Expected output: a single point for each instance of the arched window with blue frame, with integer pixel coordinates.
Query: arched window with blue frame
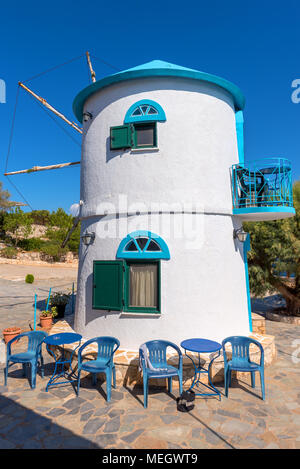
(145, 110)
(143, 245)
(140, 126)
(132, 282)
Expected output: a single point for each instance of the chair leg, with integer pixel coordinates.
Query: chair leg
(145, 386)
(114, 377)
(78, 381)
(94, 378)
(227, 376)
(262, 380)
(253, 379)
(42, 366)
(180, 383)
(108, 384)
(5, 374)
(33, 375)
(170, 385)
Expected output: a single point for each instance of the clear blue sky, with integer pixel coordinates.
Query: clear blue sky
(254, 44)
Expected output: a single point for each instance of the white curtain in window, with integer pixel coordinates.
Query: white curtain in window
(143, 285)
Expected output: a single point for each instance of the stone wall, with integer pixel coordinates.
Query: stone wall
(258, 324)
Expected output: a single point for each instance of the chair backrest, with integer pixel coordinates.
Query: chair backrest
(158, 351)
(240, 349)
(106, 346)
(35, 338)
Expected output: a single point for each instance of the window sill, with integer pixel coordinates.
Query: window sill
(137, 314)
(144, 149)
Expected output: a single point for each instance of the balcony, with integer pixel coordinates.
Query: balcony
(262, 189)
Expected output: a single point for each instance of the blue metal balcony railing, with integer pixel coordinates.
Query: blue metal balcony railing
(262, 183)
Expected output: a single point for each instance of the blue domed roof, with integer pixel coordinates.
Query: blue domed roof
(156, 68)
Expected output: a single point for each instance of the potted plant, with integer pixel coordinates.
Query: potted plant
(46, 317)
(11, 332)
(60, 300)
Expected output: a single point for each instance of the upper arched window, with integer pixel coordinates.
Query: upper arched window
(143, 245)
(143, 111)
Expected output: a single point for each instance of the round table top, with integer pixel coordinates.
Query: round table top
(200, 345)
(62, 338)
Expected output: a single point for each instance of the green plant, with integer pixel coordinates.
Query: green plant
(59, 298)
(9, 252)
(18, 223)
(52, 312)
(29, 278)
(275, 246)
(53, 251)
(31, 244)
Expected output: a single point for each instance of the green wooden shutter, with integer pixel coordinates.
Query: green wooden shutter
(108, 285)
(121, 137)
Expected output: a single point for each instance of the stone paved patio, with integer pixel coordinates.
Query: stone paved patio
(59, 419)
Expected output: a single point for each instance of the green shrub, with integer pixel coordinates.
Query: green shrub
(53, 252)
(9, 252)
(31, 244)
(29, 278)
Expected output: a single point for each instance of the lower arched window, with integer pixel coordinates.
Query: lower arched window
(132, 283)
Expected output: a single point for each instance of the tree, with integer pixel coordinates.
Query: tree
(275, 245)
(18, 224)
(4, 196)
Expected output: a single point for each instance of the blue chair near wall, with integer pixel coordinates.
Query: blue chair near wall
(155, 365)
(107, 346)
(240, 361)
(33, 356)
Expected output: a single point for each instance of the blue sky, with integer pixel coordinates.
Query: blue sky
(253, 44)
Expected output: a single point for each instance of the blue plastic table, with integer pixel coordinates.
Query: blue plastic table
(202, 346)
(61, 361)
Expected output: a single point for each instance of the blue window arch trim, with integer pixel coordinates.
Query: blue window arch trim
(122, 253)
(160, 116)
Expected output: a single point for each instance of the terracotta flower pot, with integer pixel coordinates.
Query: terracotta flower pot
(10, 332)
(46, 321)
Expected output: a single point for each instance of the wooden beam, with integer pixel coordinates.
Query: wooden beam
(42, 168)
(93, 74)
(51, 108)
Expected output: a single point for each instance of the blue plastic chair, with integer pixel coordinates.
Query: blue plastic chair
(158, 358)
(32, 356)
(107, 346)
(240, 361)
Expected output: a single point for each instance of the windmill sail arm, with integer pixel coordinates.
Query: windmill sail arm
(51, 108)
(42, 168)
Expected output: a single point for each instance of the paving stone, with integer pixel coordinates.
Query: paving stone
(132, 436)
(105, 440)
(85, 407)
(257, 412)
(93, 425)
(101, 411)
(56, 412)
(116, 412)
(86, 416)
(6, 444)
(112, 426)
(73, 403)
(116, 395)
(168, 419)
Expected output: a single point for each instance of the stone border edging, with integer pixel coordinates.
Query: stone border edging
(272, 316)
